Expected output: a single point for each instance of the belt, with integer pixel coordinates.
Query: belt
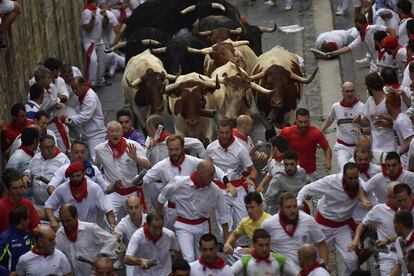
(192, 221)
(236, 183)
(335, 224)
(170, 205)
(339, 141)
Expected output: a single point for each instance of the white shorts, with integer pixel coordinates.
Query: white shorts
(6, 6)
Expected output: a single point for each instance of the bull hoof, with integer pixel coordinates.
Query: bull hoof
(269, 134)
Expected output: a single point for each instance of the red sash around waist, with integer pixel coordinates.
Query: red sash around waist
(339, 141)
(335, 224)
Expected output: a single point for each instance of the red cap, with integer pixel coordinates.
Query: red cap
(390, 42)
(74, 167)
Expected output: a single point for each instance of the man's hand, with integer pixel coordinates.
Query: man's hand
(54, 225)
(152, 144)
(228, 248)
(260, 189)
(354, 245)
(145, 264)
(367, 204)
(260, 155)
(381, 243)
(246, 250)
(232, 190)
(328, 165)
(116, 185)
(132, 152)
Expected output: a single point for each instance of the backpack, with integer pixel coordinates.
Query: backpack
(278, 257)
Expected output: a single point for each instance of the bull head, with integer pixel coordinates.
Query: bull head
(193, 7)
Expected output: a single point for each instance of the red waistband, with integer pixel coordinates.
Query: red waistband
(339, 141)
(335, 224)
(192, 221)
(127, 191)
(170, 205)
(236, 183)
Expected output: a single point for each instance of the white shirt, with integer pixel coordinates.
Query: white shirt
(344, 117)
(341, 37)
(39, 166)
(262, 268)
(320, 271)
(123, 168)
(247, 143)
(307, 231)
(403, 128)
(60, 84)
(382, 138)
(141, 247)
(274, 167)
(31, 264)
(335, 204)
(198, 270)
(126, 228)
(88, 207)
(160, 151)
(229, 161)
(19, 160)
(18, 141)
(96, 34)
(382, 216)
(379, 183)
(368, 43)
(59, 177)
(90, 118)
(410, 152)
(402, 31)
(91, 241)
(192, 203)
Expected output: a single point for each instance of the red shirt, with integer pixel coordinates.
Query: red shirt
(7, 203)
(305, 145)
(11, 131)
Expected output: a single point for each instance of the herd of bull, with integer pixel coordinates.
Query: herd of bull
(216, 70)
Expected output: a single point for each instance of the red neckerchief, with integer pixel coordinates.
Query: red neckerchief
(411, 240)
(218, 263)
(305, 272)
(409, 60)
(278, 158)
(164, 135)
(351, 191)
(365, 172)
(90, 7)
(289, 228)
(27, 150)
(73, 234)
(81, 190)
(57, 151)
(197, 183)
(82, 97)
(405, 16)
(261, 259)
(392, 178)
(393, 85)
(179, 162)
(391, 204)
(36, 251)
(344, 104)
(225, 147)
(362, 31)
(119, 149)
(410, 36)
(236, 133)
(148, 234)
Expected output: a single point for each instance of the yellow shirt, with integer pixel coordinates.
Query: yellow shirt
(248, 226)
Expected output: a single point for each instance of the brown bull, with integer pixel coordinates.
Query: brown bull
(279, 70)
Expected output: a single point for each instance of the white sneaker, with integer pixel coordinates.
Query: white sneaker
(288, 7)
(270, 3)
(341, 12)
(363, 60)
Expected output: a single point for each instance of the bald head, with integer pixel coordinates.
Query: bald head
(244, 125)
(205, 172)
(70, 210)
(134, 209)
(348, 85)
(364, 141)
(307, 253)
(133, 200)
(103, 266)
(348, 92)
(114, 131)
(44, 238)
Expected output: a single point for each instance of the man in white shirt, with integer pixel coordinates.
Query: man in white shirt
(374, 118)
(43, 257)
(341, 193)
(90, 118)
(83, 193)
(20, 159)
(382, 216)
(290, 228)
(333, 40)
(156, 146)
(263, 262)
(68, 73)
(120, 158)
(404, 11)
(42, 167)
(365, 39)
(210, 263)
(403, 224)
(79, 238)
(392, 171)
(235, 161)
(242, 132)
(195, 198)
(307, 255)
(149, 248)
(344, 112)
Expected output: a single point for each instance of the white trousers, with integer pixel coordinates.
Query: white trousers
(342, 237)
(188, 237)
(97, 62)
(343, 154)
(237, 211)
(92, 143)
(387, 261)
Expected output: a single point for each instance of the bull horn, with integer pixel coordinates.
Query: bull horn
(150, 42)
(123, 28)
(170, 77)
(240, 43)
(261, 89)
(133, 84)
(171, 87)
(204, 51)
(117, 46)
(205, 33)
(237, 31)
(295, 77)
(159, 50)
(267, 29)
(188, 9)
(257, 76)
(218, 6)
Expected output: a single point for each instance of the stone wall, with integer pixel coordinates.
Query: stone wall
(45, 28)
